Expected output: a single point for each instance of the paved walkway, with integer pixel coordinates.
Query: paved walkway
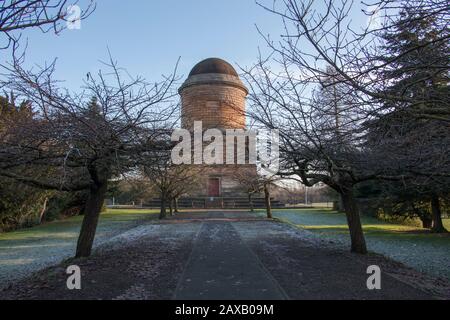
(237, 256)
(222, 255)
(221, 266)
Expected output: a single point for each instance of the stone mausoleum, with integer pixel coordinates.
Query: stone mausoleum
(214, 94)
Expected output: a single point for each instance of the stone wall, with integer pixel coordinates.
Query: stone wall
(216, 100)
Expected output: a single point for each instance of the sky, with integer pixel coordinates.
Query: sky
(146, 37)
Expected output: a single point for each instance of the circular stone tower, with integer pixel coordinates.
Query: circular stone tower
(213, 94)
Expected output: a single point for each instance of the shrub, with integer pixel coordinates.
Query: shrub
(20, 205)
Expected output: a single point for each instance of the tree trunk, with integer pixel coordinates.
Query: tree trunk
(267, 200)
(354, 222)
(162, 212)
(175, 205)
(44, 208)
(90, 220)
(436, 214)
(341, 205)
(425, 218)
(426, 222)
(171, 207)
(250, 202)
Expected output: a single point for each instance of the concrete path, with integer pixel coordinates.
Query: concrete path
(239, 256)
(225, 255)
(221, 266)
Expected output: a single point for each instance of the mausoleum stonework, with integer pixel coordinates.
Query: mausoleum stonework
(214, 95)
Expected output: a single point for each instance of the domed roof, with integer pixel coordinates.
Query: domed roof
(213, 65)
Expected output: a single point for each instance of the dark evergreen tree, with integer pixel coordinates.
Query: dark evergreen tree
(413, 137)
(417, 62)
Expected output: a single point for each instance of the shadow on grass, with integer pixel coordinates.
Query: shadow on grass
(69, 228)
(331, 222)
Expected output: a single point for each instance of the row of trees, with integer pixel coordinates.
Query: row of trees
(351, 106)
(76, 142)
(80, 142)
(359, 105)
(23, 204)
(57, 142)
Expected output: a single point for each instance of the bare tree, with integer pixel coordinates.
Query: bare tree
(253, 184)
(190, 178)
(171, 181)
(323, 33)
(46, 15)
(250, 183)
(311, 148)
(79, 142)
(320, 49)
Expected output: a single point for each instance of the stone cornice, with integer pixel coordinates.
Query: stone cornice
(213, 79)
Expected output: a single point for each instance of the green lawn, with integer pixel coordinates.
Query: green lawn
(411, 245)
(27, 250)
(67, 226)
(328, 221)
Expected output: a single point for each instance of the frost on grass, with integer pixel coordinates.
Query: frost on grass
(130, 236)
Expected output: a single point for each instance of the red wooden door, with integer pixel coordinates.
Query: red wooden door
(214, 187)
